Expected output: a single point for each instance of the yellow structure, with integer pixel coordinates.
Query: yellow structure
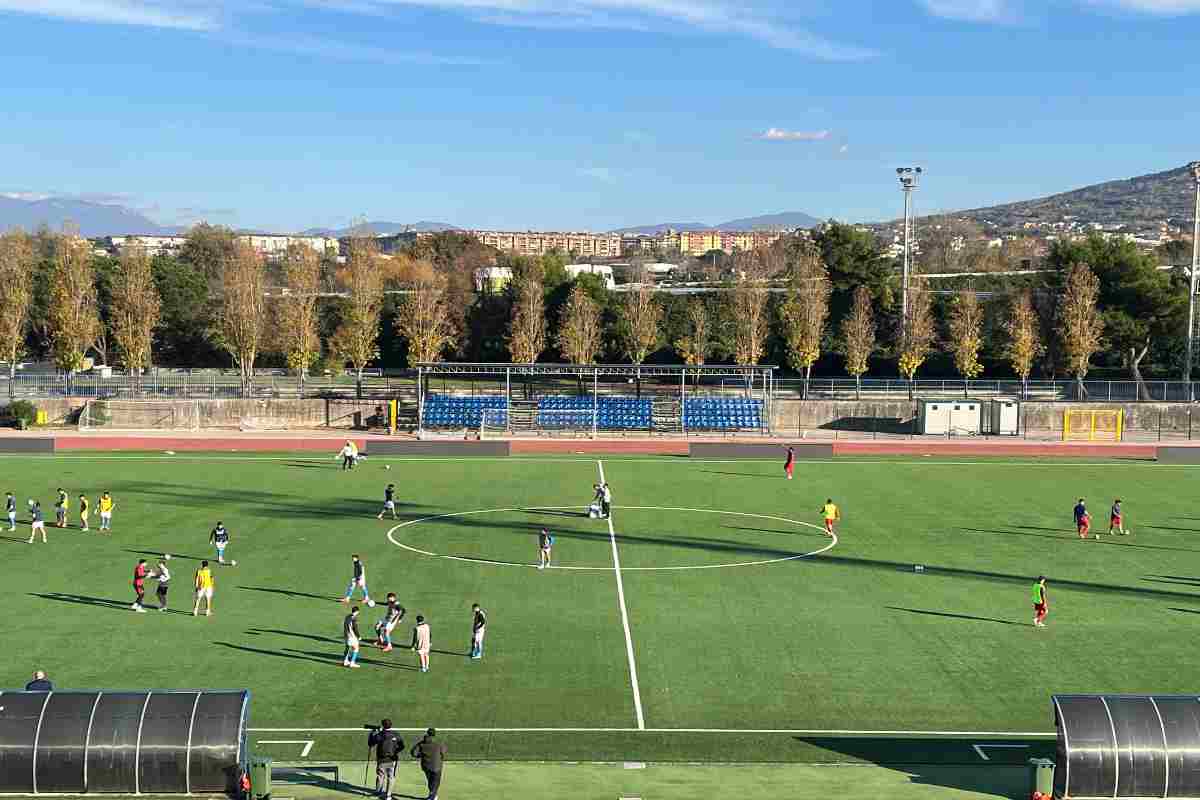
(1091, 425)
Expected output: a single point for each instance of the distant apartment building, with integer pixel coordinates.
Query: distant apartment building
(533, 243)
(267, 245)
(697, 243)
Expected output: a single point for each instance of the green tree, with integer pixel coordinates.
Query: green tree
(854, 259)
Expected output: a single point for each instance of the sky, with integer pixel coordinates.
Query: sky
(586, 114)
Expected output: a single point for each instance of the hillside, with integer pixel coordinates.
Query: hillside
(788, 220)
(92, 219)
(381, 228)
(1136, 202)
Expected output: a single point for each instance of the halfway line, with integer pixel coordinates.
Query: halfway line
(633, 679)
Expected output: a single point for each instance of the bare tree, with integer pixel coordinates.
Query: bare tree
(804, 312)
(948, 244)
(16, 295)
(424, 318)
(136, 308)
(640, 316)
(357, 340)
(1024, 343)
(579, 332)
(1079, 324)
(73, 317)
(858, 337)
(527, 326)
(750, 323)
(917, 337)
(966, 334)
(296, 312)
(242, 324)
(695, 346)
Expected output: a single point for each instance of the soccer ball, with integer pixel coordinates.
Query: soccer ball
(233, 563)
(370, 604)
(166, 557)
(387, 466)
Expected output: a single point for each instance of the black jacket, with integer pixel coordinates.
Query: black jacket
(431, 752)
(40, 685)
(387, 743)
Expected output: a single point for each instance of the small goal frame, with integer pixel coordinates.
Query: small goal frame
(1088, 424)
(140, 415)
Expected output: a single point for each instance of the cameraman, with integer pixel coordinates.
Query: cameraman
(388, 747)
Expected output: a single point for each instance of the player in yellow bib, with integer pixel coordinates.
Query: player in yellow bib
(831, 513)
(204, 589)
(105, 505)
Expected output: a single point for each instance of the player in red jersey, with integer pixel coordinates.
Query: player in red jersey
(1083, 520)
(139, 586)
(790, 463)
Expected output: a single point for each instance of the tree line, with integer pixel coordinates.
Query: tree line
(1101, 305)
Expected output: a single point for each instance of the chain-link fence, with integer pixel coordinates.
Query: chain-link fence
(1044, 391)
(207, 384)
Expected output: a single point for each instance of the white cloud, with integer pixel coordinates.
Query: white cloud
(781, 135)
(844, 148)
(969, 10)
(764, 21)
(602, 174)
(345, 51)
(1165, 8)
(153, 14)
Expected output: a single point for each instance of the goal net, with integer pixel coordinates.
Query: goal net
(143, 415)
(1093, 425)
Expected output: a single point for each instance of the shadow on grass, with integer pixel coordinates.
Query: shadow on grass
(747, 474)
(288, 593)
(949, 615)
(14, 539)
(949, 763)
(308, 776)
(328, 659)
(160, 554)
(1071, 536)
(1185, 610)
(99, 602)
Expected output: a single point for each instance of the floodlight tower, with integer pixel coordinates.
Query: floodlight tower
(1191, 333)
(910, 178)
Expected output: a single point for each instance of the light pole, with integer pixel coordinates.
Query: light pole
(1191, 332)
(910, 178)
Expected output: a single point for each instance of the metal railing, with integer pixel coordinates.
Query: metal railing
(207, 384)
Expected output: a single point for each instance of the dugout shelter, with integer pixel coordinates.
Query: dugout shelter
(102, 742)
(1127, 746)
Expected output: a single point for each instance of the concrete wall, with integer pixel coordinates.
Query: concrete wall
(896, 416)
(263, 414)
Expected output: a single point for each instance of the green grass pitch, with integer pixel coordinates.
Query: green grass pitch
(771, 661)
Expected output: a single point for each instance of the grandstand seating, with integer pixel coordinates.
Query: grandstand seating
(463, 411)
(722, 413)
(613, 412)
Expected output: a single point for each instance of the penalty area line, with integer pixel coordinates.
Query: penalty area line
(633, 678)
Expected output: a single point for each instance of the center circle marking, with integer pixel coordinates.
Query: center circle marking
(391, 535)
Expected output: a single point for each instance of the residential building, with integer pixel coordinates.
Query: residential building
(154, 245)
(604, 272)
(533, 243)
(273, 245)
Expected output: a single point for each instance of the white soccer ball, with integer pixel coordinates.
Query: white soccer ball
(233, 563)
(387, 466)
(167, 557)
(370, 604)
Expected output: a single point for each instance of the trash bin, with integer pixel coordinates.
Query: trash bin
(1041, 776)
(260, 777)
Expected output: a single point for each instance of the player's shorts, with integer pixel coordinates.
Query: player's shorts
(1083, 526)
(12, 515)
(39, 525)
(477, 635)
(352, 642)
(221, 546)
(424, 651)
(1039, 608)
(829, 524)
(204, 594)
(105, 515)
(60, 513)
(1115, 520)
(162, 589)
(389, 505)
(546, 548)
(84, 514)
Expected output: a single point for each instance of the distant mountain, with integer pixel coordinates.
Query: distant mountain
(788, 220)
(382, 228)
(92, 219)
(1142, 201)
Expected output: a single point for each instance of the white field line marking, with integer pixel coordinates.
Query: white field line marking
(791, 731)
(633, 679)
(979, 748)
(308, 744)
(900, 461)
(495, 562)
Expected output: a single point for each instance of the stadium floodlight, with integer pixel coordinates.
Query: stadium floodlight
(1191, 332)
(910, 179)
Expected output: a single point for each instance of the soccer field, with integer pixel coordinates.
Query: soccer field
(733, 629)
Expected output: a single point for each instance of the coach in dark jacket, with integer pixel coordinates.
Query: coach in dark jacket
(431, 754)
(388, 747)
(39, 683)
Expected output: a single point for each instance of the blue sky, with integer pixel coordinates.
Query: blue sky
(586, 114)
